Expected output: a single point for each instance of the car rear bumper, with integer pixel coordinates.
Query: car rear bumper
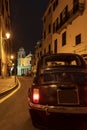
(58, 109)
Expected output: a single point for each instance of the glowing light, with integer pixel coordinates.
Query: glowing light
(7, 35)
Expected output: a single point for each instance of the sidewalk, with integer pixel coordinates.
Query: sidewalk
(7, 84)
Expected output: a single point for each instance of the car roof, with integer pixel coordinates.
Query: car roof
(61, 56)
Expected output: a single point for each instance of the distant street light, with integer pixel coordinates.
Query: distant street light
(12, 57)
(7, 35)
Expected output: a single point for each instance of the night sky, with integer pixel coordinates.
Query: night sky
(26, 23)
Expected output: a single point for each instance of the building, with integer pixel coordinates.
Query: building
(5, 44)
(37, 54)
(24, 62)
(47, 30)
(64, 27)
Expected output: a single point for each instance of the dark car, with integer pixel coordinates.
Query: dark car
(59, 87)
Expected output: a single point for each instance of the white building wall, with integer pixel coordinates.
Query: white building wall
(24, 62)
(18, 70)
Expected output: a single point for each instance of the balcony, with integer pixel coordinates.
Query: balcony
(76, 11)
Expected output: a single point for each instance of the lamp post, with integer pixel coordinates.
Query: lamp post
(13, 58)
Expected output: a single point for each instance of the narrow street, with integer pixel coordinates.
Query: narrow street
(14, 113)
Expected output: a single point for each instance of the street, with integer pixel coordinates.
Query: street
(14, 113)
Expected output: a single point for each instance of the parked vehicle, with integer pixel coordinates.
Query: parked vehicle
(60, 87)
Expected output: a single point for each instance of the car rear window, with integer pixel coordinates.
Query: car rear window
(62, 61)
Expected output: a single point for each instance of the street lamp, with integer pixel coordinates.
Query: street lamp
(7, 35)
(12, 57)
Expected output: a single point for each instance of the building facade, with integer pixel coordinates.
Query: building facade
(5, 44)
(64, 27)
(47, 31)
(37, 54)
(23, 62)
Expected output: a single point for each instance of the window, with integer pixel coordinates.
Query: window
(49, 10)
(44, 51)
(6, 2)
(55, 4)
(78, 39)
(75, 5)
(55, 26)
(55, 46)
(44, 34)
(64, 38)
(49, 28)
(40, 53)
(2, 8)
(64, 15)
(60, 18)
(23, 55)
(19, 56)
(49, 49)
(44, 19)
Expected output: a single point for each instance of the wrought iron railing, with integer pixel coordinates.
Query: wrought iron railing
(70, 16)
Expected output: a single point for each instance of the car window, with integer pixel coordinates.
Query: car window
(62, 61)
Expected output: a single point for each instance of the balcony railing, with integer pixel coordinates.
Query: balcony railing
(77, 10)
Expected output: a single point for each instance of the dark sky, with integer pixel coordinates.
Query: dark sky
(26, 22)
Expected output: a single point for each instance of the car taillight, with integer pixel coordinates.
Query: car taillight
(36, 95)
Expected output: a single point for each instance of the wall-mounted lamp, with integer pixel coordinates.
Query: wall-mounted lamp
(7, 35)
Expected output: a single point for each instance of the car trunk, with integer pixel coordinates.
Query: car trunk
(62, 88)
(59, 94)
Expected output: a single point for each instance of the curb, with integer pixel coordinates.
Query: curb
(2, 94)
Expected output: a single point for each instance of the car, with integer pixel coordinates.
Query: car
(59, 87)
